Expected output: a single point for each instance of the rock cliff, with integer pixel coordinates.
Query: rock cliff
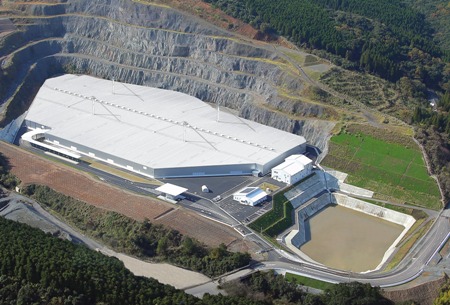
(154, 46)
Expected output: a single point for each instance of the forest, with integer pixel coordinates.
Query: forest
(37, 268)
(401, 41)
(433, 132)
(383, 37)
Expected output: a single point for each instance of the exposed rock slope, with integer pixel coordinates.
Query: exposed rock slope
(154, 46)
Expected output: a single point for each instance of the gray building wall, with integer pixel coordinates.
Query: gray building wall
(35, 125)
(93, 153)
(198, 171)
(300, 149)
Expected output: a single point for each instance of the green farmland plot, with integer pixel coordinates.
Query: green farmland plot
(417, 171)
(393, 171)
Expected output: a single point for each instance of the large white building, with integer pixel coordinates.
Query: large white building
(154, 132)
(293, 169)
(250, 196)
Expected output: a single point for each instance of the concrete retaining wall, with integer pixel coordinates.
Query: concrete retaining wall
(296, 238)
(305, 191)
(362, 206)
(335, 181)
(404, 220)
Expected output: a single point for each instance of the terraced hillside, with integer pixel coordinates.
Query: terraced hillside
(156, 46)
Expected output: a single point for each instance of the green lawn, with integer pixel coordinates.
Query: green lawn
(393, 171)
(309, 282)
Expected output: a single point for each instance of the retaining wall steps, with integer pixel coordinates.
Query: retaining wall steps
(296, 238)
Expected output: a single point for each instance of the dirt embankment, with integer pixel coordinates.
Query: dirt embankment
(423, 294)
(31, 169)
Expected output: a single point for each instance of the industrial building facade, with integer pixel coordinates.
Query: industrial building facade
(250, 196)
(293, 169)
(154, 132)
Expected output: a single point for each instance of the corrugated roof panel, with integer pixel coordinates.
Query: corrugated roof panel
(130, 133)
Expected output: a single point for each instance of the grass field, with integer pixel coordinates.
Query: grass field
(394, 171)
(306, 281)
(270, 186)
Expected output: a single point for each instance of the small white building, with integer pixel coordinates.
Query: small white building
(250, 196)
(293, 169)
(171, 192)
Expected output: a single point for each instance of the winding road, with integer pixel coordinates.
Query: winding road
(410, 268)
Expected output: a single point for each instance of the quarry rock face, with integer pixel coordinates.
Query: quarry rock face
(153, 46)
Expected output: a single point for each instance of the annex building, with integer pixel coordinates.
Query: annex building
(250, 196)
(154, 132)
(293, 169)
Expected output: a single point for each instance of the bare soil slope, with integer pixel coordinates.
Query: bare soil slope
(423, 294)
(34, 169)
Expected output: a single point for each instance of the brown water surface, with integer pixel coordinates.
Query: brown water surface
(345, 239)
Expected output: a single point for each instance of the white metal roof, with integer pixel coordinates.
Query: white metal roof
(299, 158)
(171, 189)
(257, 195)
(250, 192)
(293, 164)
(153, 127)
(292, 168)
(29, 137)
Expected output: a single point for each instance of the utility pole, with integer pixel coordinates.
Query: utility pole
(218, 111)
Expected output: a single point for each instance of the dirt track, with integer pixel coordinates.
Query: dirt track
(31, 168)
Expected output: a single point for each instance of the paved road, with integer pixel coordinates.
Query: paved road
(48, 218)
(203, 206)
(411, 267)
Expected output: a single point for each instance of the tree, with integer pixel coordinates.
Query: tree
(354, 293)
(163, 244)
(188, 246)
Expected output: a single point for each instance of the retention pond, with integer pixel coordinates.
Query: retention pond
(346, 239)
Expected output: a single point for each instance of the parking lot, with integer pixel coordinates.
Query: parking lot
(208, 205)
(222, 186)
(245, 213)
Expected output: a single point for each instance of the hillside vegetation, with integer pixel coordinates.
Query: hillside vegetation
(275, 289)
(389, 164)
(141, 239)
(384, 37)
(38, 269)
(404, 42)
(437, 13)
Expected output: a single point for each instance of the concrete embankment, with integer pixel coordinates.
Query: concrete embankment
(296, 238)
(404, 220)
(368, 208)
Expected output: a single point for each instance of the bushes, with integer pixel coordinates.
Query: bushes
(279, 218)
(39, 269)
(141, 239)
(7, 179)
